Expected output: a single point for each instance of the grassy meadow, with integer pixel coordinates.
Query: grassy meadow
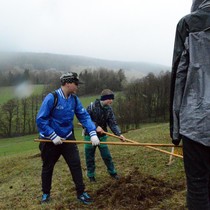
(7, 93)
(146, 182)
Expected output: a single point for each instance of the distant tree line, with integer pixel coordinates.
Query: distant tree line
(97, 80)
(142, 100)
(17, 116)
(14, 77)
(94, 80)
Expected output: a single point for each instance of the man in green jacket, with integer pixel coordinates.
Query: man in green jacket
(102, 115)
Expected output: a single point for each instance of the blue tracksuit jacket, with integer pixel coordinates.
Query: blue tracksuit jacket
(59, 121)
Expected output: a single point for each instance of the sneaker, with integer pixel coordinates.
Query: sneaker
(45, 198)
(92, 179)
(85, 198)
(115, 176)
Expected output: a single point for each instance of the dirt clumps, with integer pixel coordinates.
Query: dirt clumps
(135, 191)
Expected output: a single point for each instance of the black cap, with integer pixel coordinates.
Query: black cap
(70, 77)
(107, 94)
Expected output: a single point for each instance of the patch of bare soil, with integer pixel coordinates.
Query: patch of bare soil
(135, 191)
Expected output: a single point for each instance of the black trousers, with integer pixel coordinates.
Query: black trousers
(50, 154)
(197, 169)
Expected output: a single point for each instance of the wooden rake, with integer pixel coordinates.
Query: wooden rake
(175, 150)
(151, 146)
(127, 143)
(148, 145)
(107, 142)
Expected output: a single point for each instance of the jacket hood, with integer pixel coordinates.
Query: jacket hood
(199, 4)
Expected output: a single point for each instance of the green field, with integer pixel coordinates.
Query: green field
(87, 100)
(146, 182)
(7, 93)
(10, 146)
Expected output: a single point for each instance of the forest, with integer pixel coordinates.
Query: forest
(138, 101)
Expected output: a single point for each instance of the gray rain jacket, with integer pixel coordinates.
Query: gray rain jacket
(190, 78)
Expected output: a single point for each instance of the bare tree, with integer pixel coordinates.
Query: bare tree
(7, 116)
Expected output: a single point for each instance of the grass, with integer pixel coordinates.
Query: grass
(10, 146)
(21, 168)
(7, 93)
(87, 100)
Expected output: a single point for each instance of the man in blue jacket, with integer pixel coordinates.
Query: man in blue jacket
(56, 124)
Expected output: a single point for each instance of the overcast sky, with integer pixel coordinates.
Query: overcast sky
(126, 30)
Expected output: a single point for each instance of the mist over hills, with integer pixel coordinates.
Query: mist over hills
(42, 61)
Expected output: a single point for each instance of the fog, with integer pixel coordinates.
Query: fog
(125, 30)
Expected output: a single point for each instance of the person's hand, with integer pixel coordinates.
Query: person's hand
(99, 129)
(95, 140)
(176, 141)
(122, 138)
(57, 140)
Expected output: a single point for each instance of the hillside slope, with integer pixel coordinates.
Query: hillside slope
(40, 61)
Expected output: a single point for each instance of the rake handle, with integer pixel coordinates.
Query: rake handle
(107, 142)
(118, 137)
(131, 141)
(149, 146)
(166, 152)
(113, 143)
